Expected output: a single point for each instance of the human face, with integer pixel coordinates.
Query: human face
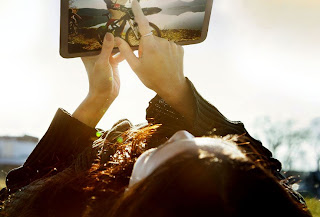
(180, 142)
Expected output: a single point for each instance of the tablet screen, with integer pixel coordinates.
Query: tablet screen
(84, 23)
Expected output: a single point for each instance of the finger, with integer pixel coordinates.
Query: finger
(181, 49)
(117, 58)
(85, 60)
(161, 40)
(143, 23)
(127, 53)
(173, 48)
(173, 45)
(107, 47)
(89, 61)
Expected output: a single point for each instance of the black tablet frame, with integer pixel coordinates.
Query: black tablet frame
(64, 22)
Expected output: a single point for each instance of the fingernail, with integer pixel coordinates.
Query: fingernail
(117, 42)
(109, 37)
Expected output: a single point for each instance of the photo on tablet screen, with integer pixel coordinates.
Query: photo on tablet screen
(181, 21)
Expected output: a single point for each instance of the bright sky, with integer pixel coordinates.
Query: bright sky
(260, 58)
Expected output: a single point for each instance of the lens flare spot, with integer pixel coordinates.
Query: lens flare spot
(295, 187)
(120, 139)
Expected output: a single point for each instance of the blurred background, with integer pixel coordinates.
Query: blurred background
(259, 64)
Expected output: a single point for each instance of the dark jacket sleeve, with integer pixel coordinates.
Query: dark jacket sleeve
(208, 122)
(64, 140)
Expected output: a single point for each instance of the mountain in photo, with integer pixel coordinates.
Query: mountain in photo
(92, 17)
(180, 7)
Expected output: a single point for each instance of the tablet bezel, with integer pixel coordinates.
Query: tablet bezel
(64, 22)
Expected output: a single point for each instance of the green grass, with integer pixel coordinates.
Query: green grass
(4, 170)
(314, 206)
(2, 183)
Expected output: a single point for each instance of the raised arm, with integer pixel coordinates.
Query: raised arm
(160, 67)
(104, 84)
(69, 135)
(178, 106)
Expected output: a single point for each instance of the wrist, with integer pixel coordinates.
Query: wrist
(99, 100)
(175, 91)
(101, 96)
(182, 100)
(92, 109)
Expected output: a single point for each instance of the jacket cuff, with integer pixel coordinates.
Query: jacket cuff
(159, 112)
(65, 138)
(209, 121)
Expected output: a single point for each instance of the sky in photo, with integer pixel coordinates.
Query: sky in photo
(100, 4)
(260, 58)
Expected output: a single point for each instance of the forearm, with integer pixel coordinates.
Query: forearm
(182, 100)
(104, 84)
(92, 109)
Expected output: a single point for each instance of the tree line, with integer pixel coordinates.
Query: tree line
(294, 146)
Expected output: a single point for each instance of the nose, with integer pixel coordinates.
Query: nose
(182, 134)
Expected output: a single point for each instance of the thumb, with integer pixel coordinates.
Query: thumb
(116, 59)
(127, 53)
(107, 47)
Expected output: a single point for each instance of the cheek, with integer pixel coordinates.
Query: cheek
(141, 161)
(139, 168)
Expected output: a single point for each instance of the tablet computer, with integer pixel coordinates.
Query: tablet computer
(85, 22)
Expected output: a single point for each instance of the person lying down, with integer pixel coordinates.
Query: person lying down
(187, 160)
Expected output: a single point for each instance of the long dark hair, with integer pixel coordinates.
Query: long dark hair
(207, 186)
(100, 173)
(201, 184)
